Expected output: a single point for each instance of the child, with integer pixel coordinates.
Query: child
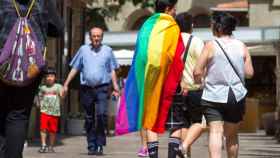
(50, 94)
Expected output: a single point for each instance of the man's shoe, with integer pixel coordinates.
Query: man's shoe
(99, 151)
(43, 149)
(182, 153)
(51, 150)
(91, 152)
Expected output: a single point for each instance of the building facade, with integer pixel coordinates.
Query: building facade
(130, 18)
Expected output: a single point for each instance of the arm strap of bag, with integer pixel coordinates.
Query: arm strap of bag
(45, 52)
(187, 48)
(29, 9)
(234, 69)
(27, 14)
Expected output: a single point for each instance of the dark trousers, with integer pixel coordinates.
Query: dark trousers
(15, 106)
(95, 104)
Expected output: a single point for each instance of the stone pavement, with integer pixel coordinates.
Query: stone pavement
(252, 145)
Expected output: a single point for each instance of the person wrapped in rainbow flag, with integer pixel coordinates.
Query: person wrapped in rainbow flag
(153, 77)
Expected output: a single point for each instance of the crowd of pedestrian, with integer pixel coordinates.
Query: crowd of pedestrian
(206, 81)
(212, 87)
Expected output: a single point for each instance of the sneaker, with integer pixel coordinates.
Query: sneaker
(188, 154)
(91, 152)
(143, 152)
(99, 151)
(182, 153)
(43, 149)
(51, 150)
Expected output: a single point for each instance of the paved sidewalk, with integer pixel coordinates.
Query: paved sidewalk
(253, 145)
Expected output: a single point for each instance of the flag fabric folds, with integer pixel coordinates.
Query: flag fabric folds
(153, 77)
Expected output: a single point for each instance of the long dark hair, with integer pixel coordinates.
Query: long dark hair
(161, 5)
(185, 21)
(223, 23)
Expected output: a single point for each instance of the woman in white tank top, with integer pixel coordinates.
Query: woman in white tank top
(224, 91)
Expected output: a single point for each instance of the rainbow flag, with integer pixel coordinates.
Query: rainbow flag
(147, 96)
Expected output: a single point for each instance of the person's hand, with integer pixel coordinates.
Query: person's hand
(62, 93)
(37, 101)
(184, 91)
(116, 93)
(65, 90)
(116, 90)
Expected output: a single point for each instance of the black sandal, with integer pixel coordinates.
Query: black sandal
(43, 149)
(182, 153)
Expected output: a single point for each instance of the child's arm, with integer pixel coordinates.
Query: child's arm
(61, 92)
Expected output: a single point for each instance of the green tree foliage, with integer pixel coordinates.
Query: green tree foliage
(97, 13)
(110, 8)
(144, 3)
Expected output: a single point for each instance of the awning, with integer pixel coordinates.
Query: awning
(250, 36)
(236, 6)
(229, 9)
(124, 56)
(245, 34)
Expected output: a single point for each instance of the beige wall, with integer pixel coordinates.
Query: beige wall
(276, 2)
(120, 23)
(264, 13)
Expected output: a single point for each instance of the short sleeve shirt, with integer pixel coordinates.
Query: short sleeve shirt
(95, 66)
(50, 99)
(194, 52)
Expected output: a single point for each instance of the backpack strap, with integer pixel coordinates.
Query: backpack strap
(230, 62)
(29, 8)
(45, 53)
(187, 48)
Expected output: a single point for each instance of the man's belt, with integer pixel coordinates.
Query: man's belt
(101, 85)
(96, 87)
